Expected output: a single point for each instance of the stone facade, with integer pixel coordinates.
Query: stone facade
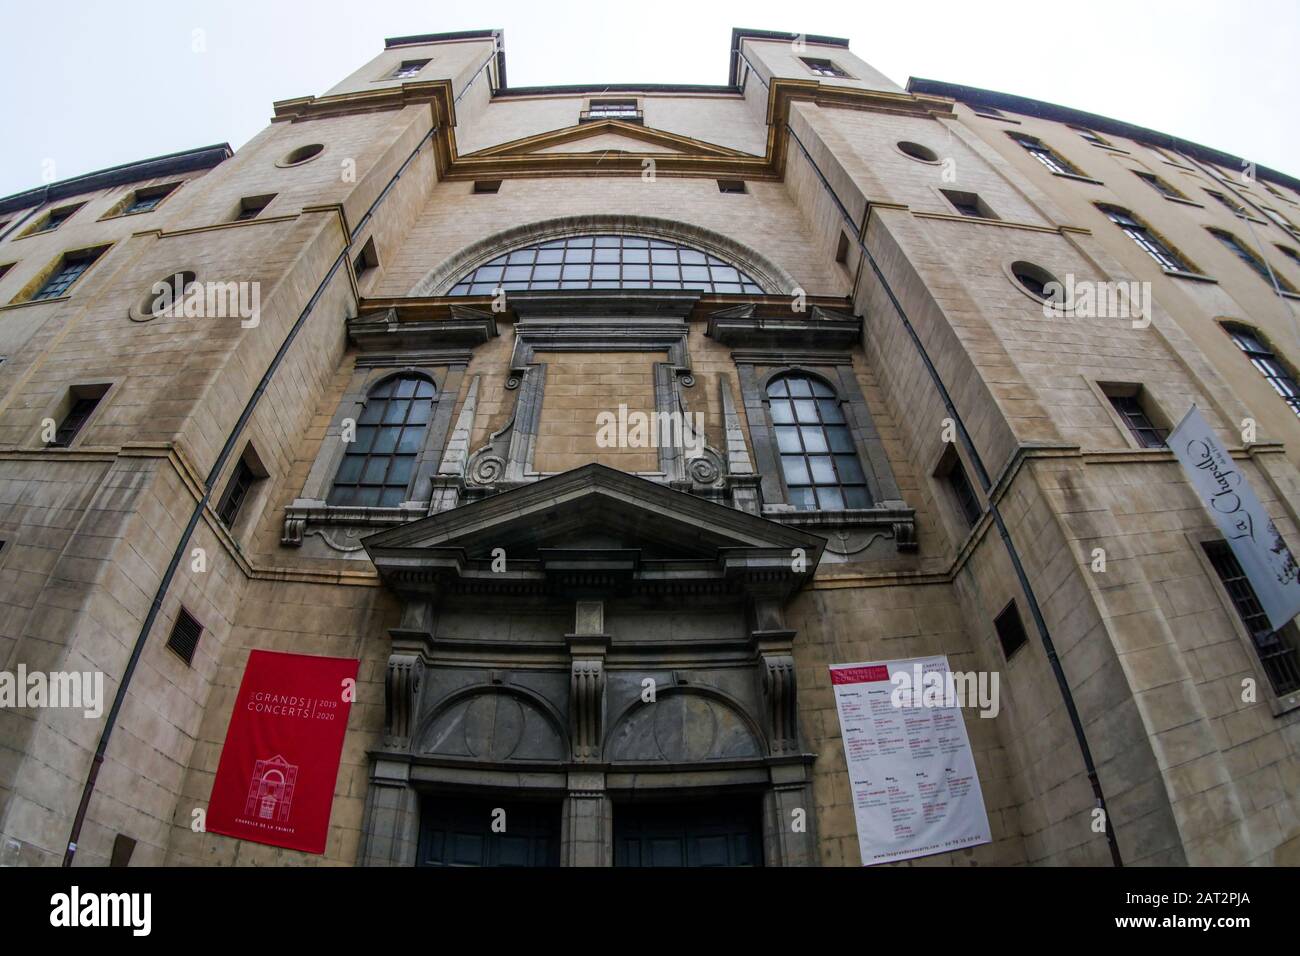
(884, 229)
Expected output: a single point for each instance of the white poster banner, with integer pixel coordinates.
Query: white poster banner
(1222, 487)
(915, 789)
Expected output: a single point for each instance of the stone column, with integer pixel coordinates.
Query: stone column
(391, 829)
(587, 830)
(587, 836)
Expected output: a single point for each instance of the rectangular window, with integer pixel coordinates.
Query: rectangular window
(842, 249)
(954, 476)
(84, 399)
(1128, 405)
(1011, 630)
(184, 638)
(69, 270)
(1044, 154)
(250, 207)
(1286, 251)
(1268, 365)
(1276, 649)
(1090, 136)
(4, 269)
(241, 482)
(968, 204)
(367, 259)
(621, 109)
(409, 68)
(487, 186)
(1245, 255)
(1237, 208)
(823, 67)
(1279, 219)
(731, 185)
(146, 200)
(1159, 185)
(1147, 241)
(988, 112)
(54, 219)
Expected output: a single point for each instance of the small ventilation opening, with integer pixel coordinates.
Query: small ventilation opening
(731, 185)
(487, 186)
(184, 638)
(1011, 630)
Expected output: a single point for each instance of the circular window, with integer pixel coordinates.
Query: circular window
(164, 298)
(1038, 282)
(918, 152)
(303, 154)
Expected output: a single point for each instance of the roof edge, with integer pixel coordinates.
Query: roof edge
(205, 157)
(1011, 103)
(739, 34)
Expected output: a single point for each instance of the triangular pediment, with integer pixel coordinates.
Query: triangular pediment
(608, 136)
(595, 519)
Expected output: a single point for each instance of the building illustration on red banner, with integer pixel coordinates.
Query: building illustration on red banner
(270, 792)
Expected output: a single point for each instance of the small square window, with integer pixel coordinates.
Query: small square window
(408, 69)
(823, 67)
(184, 638)
(54, 219)
(69, 269)
(248, 472)
(250, 207)
(146, 200)
(83, 400)
(625, 110)
(842, 249)
(731, 185)
(1132, 407)
(1011, 630)
(968, 204)
(367, 259)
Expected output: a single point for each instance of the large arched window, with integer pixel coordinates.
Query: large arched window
(377, 467)
(818, 460)
(605, 262)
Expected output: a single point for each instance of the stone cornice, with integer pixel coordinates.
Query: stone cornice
(693, 158)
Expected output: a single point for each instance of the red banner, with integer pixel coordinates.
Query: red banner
(275, 782)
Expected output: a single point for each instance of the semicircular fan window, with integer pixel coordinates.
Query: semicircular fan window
(606, 262)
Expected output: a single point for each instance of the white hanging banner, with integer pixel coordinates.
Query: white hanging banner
(915, 789)
(1254, 539)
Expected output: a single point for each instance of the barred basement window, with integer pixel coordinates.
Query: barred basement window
(1011, 630)
(1159, 185)
(379, 464)
(1245, 255)
(1147, 241)
(818, 460)
(1044, 154)
(605, 262)
(1276, 649)
(184, 638)
(1268, 364)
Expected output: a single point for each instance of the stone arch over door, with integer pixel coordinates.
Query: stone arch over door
(774, 279)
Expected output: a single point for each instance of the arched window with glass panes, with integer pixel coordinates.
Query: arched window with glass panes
(606, 262)
(378, 465)
(819, 462)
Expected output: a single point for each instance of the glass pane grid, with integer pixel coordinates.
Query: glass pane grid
(818, 460)
(606, 262)
(379, 464)
(1276, 650)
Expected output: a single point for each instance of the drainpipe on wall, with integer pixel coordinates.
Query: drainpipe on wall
(986, 484)
(232, 441)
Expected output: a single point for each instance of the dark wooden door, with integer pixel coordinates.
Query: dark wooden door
(706, 833)
(458, 832)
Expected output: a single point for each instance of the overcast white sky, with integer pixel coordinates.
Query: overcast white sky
(94, 84)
